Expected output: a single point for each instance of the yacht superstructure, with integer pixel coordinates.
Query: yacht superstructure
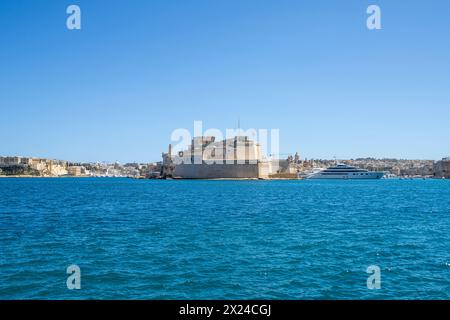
(343, 171)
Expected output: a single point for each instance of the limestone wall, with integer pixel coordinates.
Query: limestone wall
(442, 169)
(216, 171)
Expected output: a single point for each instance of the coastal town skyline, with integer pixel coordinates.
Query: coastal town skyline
(291, 167)
(281, 155)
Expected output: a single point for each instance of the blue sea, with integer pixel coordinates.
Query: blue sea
(156, 239)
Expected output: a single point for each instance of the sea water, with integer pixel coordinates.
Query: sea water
(185, 239)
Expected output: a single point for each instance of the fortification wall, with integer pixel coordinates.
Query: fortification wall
(442, 169)
(216, 171)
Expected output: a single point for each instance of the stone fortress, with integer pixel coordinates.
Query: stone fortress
(206, 158)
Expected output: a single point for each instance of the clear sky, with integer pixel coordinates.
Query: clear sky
(137, 70)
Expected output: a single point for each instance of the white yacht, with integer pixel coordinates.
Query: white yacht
(343, 171)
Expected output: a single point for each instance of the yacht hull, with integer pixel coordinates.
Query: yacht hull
(348, 176)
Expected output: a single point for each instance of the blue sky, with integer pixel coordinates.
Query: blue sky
(137, 70)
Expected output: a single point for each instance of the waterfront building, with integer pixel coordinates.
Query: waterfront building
(57, 168)
(74, 170)
(205, 158)
(39, 164)
(26, 161)
(442, 168)
(10, 160)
